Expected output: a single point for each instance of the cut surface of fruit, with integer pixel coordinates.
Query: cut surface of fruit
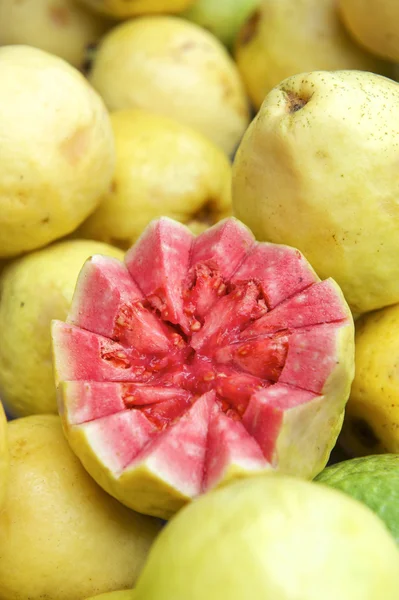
(190, 364)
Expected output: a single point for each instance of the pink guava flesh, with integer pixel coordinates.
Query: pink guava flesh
(188, 356)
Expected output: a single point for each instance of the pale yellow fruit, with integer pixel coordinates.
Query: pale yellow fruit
(122, 9)
(4, 456)
(34, 290)
(374, 24)
(317, 170)
(284, 37)
(56, 147)
(61, 27)
(371, 423)
(125, 595)
(162, 168)
(173, 67)
(61, 536)
(272, 538)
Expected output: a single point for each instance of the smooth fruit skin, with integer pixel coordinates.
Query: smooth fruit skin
(284, 38)
(57, 149)
(272, 537)
(60, 27)
(4, 456)
(125, 595)
(223, 18)
(374, 480)
(372, 418)
(374, 24)
(150, 151)
(172, 67)
(61, 536)
(34, 290)
(124, 10)
(316, 170)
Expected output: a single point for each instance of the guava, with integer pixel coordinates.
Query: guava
(372, 419)
(35, 289)
(170, 66)
(374, 480)
(223, 18)
(374, 24)
(316, 169)
(4, 457)
(61, 536)
(123, 10)
(163, 168)
(199, 360)
(276, 538)
(283, 38)
(57, 149)
(60, 27)
(124, 595)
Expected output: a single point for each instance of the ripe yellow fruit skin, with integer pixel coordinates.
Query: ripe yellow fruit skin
(284, 38)
(372, 415)
(123, 10)
(374, 24)
(57, 149)
(163, 168)
(316, 170)
(61, 536)
(61, 27)
(4, 457)
(35, 289)
(172, 67)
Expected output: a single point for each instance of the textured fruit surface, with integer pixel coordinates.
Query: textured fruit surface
(170, 66)
(372, 419)
(374, 24)
(124, 10)
(4, 456)
(299, 179)
(264, 47)
(35, 289)
(162, 168)
(199, 360)
(61, 27)
(223, 18)
(61, 536)
(272, 537)
(57, 150)
(374, 480)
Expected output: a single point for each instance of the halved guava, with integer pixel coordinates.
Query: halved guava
(199, 360)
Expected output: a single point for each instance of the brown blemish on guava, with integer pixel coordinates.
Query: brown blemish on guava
(250, 28)
(364, 433)
(75, 146)
(295, 101)
(59, 15)
(207, 213)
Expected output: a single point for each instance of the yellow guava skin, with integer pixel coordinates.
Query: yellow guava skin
(284, 38)
(61, 536)
(4, 457)
(123, 10)
(57, 149)
(35, 289)
(60, 27)
(374, 24)
(124, 595)
(371, 423)
(272, 537)
(316, 170)
(163, 168)
(170, 66)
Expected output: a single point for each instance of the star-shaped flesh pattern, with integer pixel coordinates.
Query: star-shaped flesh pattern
(185, 366)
